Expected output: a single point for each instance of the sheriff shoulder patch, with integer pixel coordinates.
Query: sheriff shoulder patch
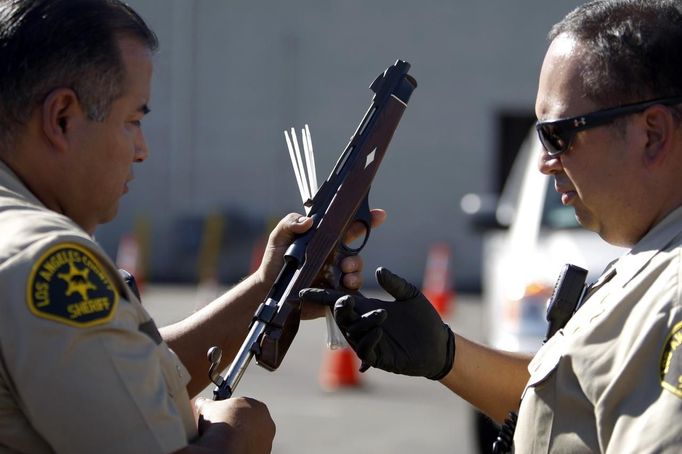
(671, 361)
(68, 284)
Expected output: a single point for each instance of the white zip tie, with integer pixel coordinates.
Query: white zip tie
(301, 169)
(308, 164)
(301, 188)
(312, 170)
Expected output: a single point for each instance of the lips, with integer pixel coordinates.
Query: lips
(568, 195)
(567, 198)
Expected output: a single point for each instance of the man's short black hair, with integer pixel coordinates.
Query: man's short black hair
(49, 44)
(631, 49)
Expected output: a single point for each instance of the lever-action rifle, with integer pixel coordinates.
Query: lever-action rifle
(341, 200)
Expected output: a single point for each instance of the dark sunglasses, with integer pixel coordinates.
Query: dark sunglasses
(556, 135)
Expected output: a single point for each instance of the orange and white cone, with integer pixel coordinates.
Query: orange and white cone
(438, 283)
(129, 258)
(340, 369)
(257, 253)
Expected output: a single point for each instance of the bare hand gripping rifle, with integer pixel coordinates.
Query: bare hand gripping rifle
(341, 200)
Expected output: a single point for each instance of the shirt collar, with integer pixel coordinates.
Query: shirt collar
(656, 240)
(9, 181)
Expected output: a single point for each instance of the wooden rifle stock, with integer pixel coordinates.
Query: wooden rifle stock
(341, 200)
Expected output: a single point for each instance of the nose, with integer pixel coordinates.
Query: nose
(549, 165)
(141, 149)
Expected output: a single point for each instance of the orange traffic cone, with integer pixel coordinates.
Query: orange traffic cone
(257, 253)
(260, 244)
(340, 369)
(437, 286)
(129, 258)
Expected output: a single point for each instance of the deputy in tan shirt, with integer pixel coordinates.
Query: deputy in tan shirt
(72, 330)
(609, 106)
(607, 380)
(83, 368)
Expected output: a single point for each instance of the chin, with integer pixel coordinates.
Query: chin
(589, 223)
(583, 222)
(585, 218)
(109, 216)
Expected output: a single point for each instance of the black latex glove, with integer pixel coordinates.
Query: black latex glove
(405, 336)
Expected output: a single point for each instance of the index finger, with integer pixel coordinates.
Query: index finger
(323, 296)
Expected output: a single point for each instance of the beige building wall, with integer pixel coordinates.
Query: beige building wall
(232, 75)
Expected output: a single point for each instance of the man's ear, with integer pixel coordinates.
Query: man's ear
(60, 111)
(660, 127)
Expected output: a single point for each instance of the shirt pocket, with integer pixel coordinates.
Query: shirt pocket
(536, 413)
(174, 372)
(177, 377)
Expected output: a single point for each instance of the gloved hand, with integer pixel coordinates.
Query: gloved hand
(405, 336)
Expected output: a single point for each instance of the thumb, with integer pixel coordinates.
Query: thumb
(395, 285)
(344, 314)
(199, 403)
(286, 230)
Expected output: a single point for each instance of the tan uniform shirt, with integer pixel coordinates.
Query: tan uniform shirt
(82, 366)
(610, 381)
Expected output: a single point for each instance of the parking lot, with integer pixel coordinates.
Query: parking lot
(386, 413)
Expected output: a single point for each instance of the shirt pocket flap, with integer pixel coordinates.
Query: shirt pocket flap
(546, 360)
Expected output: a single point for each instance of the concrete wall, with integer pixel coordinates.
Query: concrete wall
(230, 76)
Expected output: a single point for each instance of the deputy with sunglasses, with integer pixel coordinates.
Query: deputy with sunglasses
(609, 115)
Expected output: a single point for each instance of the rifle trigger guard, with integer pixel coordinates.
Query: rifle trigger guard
(214, 355)
(363, 216)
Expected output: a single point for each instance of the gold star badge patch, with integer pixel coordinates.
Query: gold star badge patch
(671, 362)
(68, 284)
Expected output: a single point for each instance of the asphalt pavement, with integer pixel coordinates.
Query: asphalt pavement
(384, 413)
